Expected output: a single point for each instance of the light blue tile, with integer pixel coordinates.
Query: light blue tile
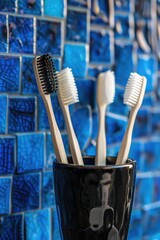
(30, 152)
(3, 116)
(3, 33)
(38, 225)
(54, 8)
(55, 226)
(136, 153)
(48, 195)
(136, 229)
(113, 149)
(75, 57)
(91, 149)
(5, 194)
(29, 7)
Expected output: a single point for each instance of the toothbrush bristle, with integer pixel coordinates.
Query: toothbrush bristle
(133, 89)
(47, 74)
(106, 87)
(67, 87)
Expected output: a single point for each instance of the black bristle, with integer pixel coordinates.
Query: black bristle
(47, 74)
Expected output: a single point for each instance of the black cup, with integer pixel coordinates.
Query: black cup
(94, 202)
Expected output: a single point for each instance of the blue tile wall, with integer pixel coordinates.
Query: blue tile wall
(86, 37)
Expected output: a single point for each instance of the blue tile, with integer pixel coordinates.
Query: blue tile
(10, 74)
(75, 57)
(66, 143)
(48, 197)
(158, 88)
(151, 155)
(141, 126)
(123, 63)
(3, 33)
(55, 226)
(82, 123)
(155, 116)
(100, 12)
(82, 4)
(48, 37)
(76, 26)
(21, 117)
(94, 125)
(30, 152)
(7, 154)
(20, 35)
(38, 225)
(101, 45)
(3, 116)
(157, 189)
(29, 84)
(54, 8)
(136, 229)
(123, 29)
(29, 7)
(91, 149)
(25, 192)
(50, 154)
(8, 6)
(11, 227)
(123, 5)
(113, 149)
(5, 194)
(43, 122)
(57, 63)
(93, 71)
(147, 66)
(136, 153)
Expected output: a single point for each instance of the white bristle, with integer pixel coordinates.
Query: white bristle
(67, 87)
(106, 87)
(133, 89)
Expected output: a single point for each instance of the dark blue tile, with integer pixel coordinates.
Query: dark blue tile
(55, 226)
(158, 89)
(3, 116)
(141, 126)
(54, 8)
(38, 225)
(76, 26)
(124, 5)
(8, 6)
(48, 37)
(75, 57)
(100, 12)
(10, 74)
(3, 33)
(123, 63)
(5, 194)
(136, 229)
(149, 100)
(43, 122)
(94, 125)
(29, 84)
(25, 192)
(7, 154)
(82, 123)
(155, 116)
(93, 71)
(20, 35)
(82, 4)
(30, 152)
(101, 49)
(86, 91)
(11, 227)
(21, 116)
(50, 154)
(123, 29)
(48, 196)
(29, 7)
(147, 66)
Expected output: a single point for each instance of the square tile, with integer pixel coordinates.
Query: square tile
(10, 74)
(3, 33)
(5, 194)
(101, 46)
(3, 116)
(8, 6)
(29, 7)
(20, 35)
(124, 26)
(76, 57)
(86, 92)
(30, 152)
(54, 8)
(11, 227)
(76, 26)
(48, 195)
(48, 37)
(100, 12)
(25, 192)
(38, 225)
(7, 154)
(21, 117)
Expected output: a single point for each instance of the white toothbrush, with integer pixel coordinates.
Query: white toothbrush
(68, 94)
(105, 96)
(133, 96)
(45, 74)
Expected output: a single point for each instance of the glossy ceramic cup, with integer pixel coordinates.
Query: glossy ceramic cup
(94, 202)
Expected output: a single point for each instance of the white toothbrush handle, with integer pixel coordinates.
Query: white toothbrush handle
(73, 142)
(56, 136)
(101, 139)
(126, 142)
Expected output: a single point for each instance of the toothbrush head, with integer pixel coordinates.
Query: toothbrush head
(67, 87)
(45, 73)
(106, 88)
(135, 90)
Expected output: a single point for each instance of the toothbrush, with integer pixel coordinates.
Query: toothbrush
(68, 94)
(105, 96)
(133, 96)
(47, 83)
